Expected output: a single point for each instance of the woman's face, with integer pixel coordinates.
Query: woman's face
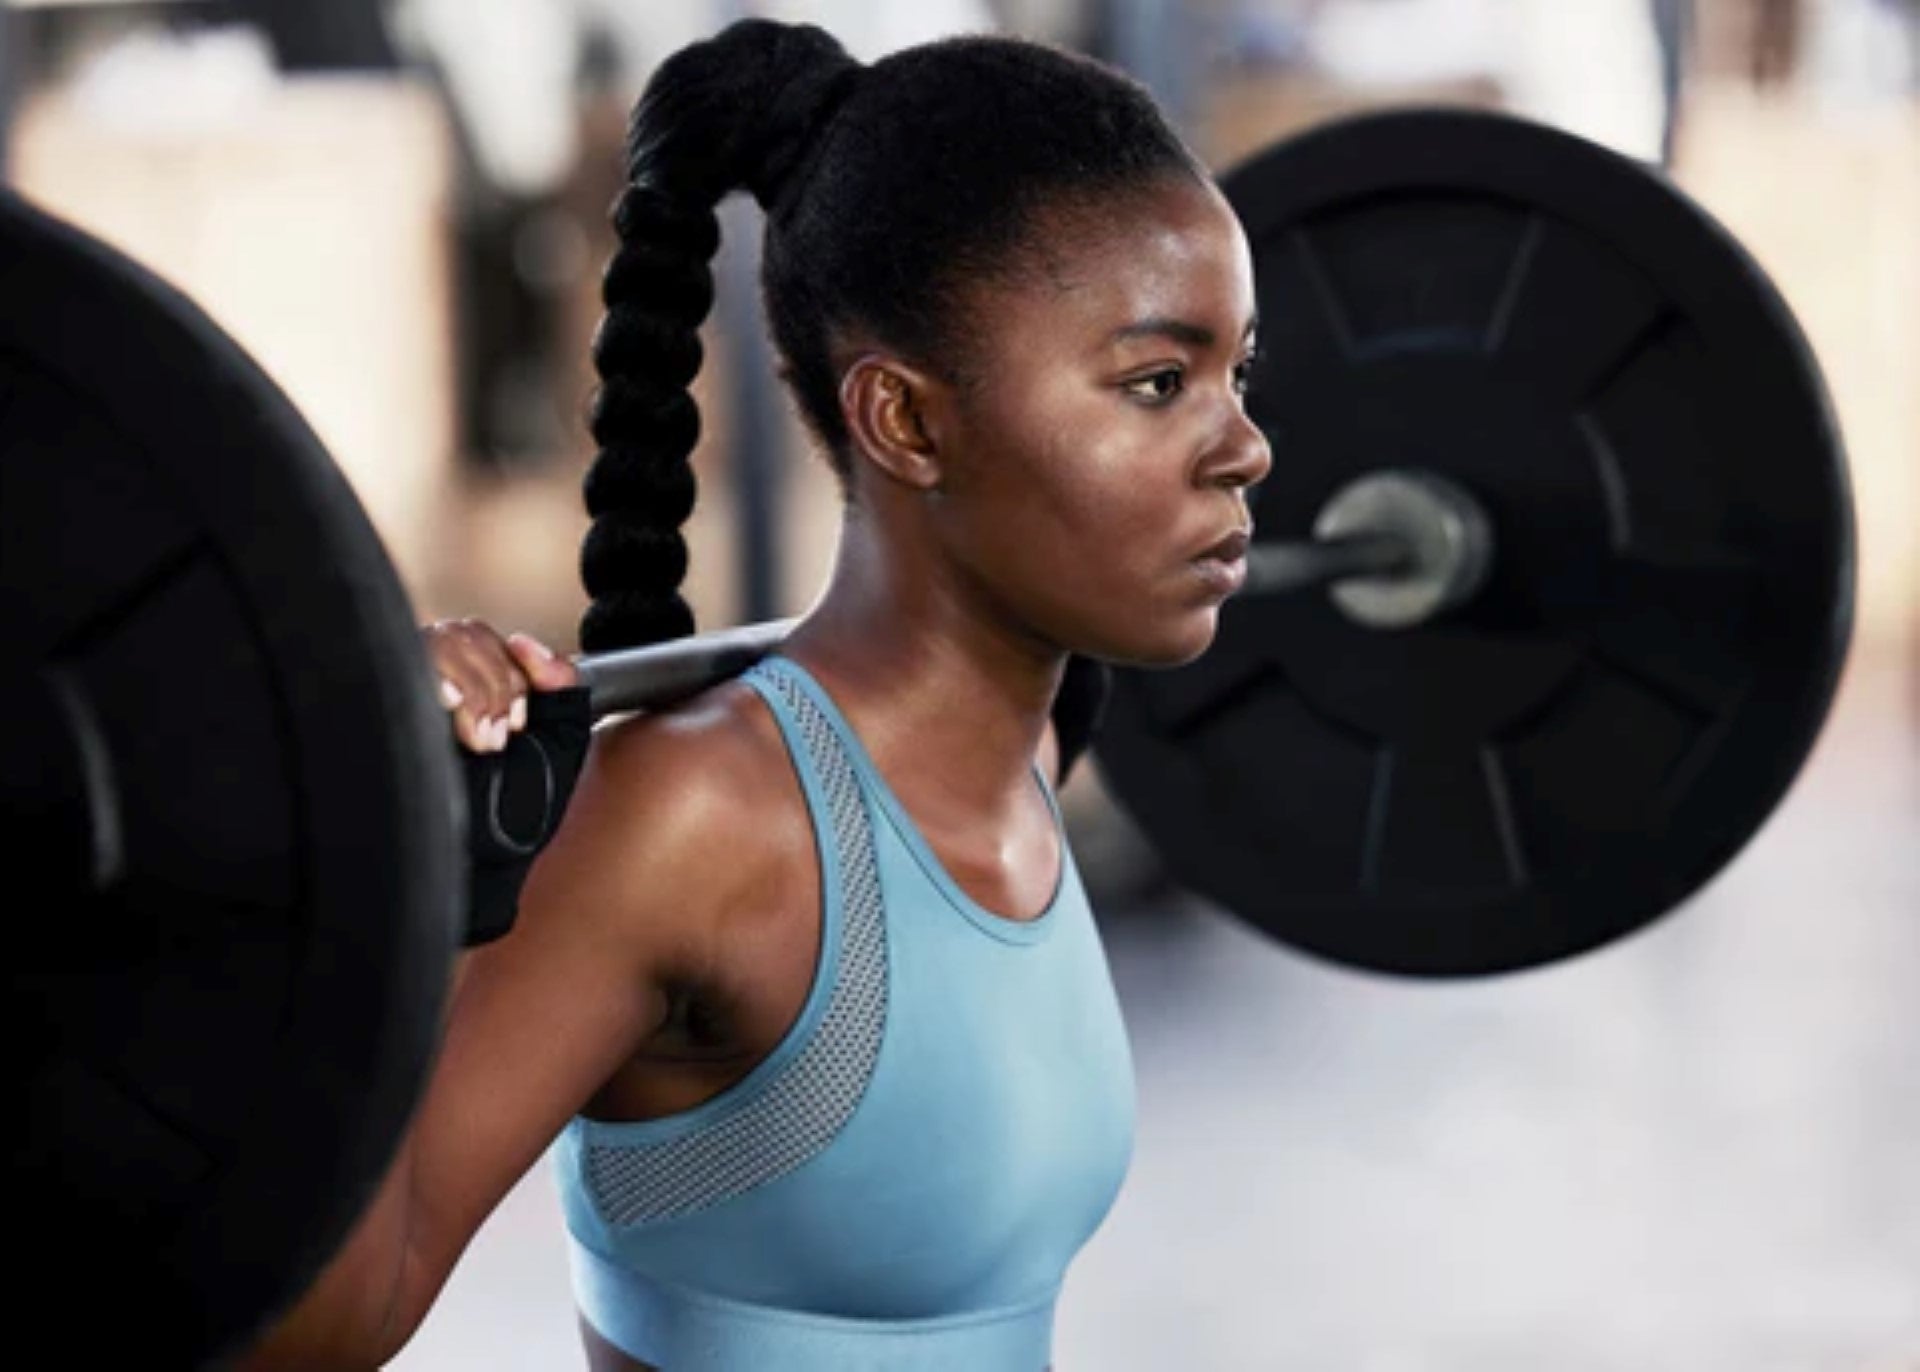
(1104, 450)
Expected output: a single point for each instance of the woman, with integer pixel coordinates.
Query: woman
(804, 992)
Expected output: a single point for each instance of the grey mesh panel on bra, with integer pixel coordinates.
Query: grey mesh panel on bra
(804, 1108)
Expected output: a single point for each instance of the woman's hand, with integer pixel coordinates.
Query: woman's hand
(485, 678)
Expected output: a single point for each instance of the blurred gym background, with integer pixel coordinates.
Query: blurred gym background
(1698, 1150)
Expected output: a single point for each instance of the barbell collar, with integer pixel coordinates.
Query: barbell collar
(1395, 548)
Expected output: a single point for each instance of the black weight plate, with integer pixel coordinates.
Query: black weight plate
(1568, 336)
(235, 797)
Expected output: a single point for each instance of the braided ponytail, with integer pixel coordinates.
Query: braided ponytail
(738, 111)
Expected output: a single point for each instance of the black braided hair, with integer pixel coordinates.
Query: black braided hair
(891, 191)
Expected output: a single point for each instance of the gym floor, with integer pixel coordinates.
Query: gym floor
(1694, 1151)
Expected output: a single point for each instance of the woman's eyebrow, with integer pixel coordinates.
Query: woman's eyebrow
(1179, 330)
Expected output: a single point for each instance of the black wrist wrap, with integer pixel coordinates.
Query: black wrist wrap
(514, 802)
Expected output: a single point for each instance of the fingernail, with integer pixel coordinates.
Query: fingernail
(497, 734)
(536, 645)
(517, 716)
(450, 694)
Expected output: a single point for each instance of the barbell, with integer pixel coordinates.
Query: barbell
(1550, 441)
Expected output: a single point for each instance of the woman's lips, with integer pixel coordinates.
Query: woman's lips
(1223, 566)
(1232, 548)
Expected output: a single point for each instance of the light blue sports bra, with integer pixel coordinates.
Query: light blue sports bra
(902, 1183)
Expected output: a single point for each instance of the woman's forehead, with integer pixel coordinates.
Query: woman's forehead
(1174, 251)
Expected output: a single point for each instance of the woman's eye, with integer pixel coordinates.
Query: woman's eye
(1157, 388)
(1243, 376)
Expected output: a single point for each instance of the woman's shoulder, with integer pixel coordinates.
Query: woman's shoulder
(718, 748)
(693, 817)
(701, 792)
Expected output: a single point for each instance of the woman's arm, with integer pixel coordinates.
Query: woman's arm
(630, 887)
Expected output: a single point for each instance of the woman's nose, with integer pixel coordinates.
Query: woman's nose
(1240, 457)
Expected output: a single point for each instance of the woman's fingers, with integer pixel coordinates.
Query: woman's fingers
(482, 683)
(485, 677)
(546, 669)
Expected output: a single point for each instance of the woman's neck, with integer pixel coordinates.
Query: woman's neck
(926, 672)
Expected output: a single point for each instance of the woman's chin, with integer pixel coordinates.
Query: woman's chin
(1173, 649)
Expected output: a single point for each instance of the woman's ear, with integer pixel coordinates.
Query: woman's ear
(887, 405)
